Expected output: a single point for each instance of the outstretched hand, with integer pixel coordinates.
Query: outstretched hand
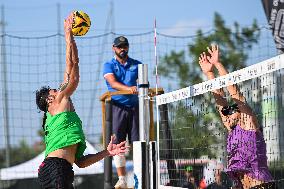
(68, 28)
(214, 54)
(205, 65)
(116, 149)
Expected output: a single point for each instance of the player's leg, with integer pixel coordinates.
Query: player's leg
(119, 123)
(133, 133)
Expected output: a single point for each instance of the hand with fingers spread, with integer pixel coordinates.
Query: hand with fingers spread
(214, 54)
(205, 65)
(116, 149)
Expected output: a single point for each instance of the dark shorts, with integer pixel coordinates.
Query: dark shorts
(269, 185)
(125, 122)
(55, 173)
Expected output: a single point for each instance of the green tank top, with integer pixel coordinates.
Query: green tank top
(62, 130)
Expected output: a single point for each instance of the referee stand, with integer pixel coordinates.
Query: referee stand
(145, 166)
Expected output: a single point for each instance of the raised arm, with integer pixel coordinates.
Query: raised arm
(249, 119)
(207, 69)
(112, 150)
(71, 74)
(233, 90)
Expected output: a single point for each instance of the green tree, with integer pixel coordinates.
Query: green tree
(200, 137)
(234, 45)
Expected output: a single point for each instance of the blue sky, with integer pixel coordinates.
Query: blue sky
(180, 17)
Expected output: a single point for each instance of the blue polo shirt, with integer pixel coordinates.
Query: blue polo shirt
(126, 74)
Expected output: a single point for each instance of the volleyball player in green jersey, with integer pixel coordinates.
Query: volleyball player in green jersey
(64, 137)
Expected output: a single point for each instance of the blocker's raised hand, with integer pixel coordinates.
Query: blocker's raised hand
(205, 65)
(214, 54)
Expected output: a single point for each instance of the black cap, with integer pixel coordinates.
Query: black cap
(121, 40)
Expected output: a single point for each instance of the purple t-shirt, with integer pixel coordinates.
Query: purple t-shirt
(247, 154)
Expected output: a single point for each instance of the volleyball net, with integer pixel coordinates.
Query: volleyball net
(27, 63)
(192, 136)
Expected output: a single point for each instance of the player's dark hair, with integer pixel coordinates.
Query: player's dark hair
(41, 98)
(41, 101)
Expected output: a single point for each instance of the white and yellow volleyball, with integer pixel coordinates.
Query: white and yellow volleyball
(81, 23)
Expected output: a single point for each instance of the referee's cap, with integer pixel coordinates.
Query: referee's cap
(121, 40)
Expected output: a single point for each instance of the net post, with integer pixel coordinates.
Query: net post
(153, 164)
(143, 88)
(141, 166)
(108, 133)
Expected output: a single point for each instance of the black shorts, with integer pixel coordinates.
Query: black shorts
(125, 122)
(55, 173)
(269, 185)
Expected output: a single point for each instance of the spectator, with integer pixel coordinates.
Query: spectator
(189, 178)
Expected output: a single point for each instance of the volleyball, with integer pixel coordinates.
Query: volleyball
(81, 23)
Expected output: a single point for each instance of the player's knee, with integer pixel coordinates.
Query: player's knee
(119, 161)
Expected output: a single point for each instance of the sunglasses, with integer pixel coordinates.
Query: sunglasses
(229, 110)
(122, 46)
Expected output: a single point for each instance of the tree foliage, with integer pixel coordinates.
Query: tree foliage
(233, 44)
(190, 126)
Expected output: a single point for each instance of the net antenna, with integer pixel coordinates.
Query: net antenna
(157, 173)
(156, 57)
